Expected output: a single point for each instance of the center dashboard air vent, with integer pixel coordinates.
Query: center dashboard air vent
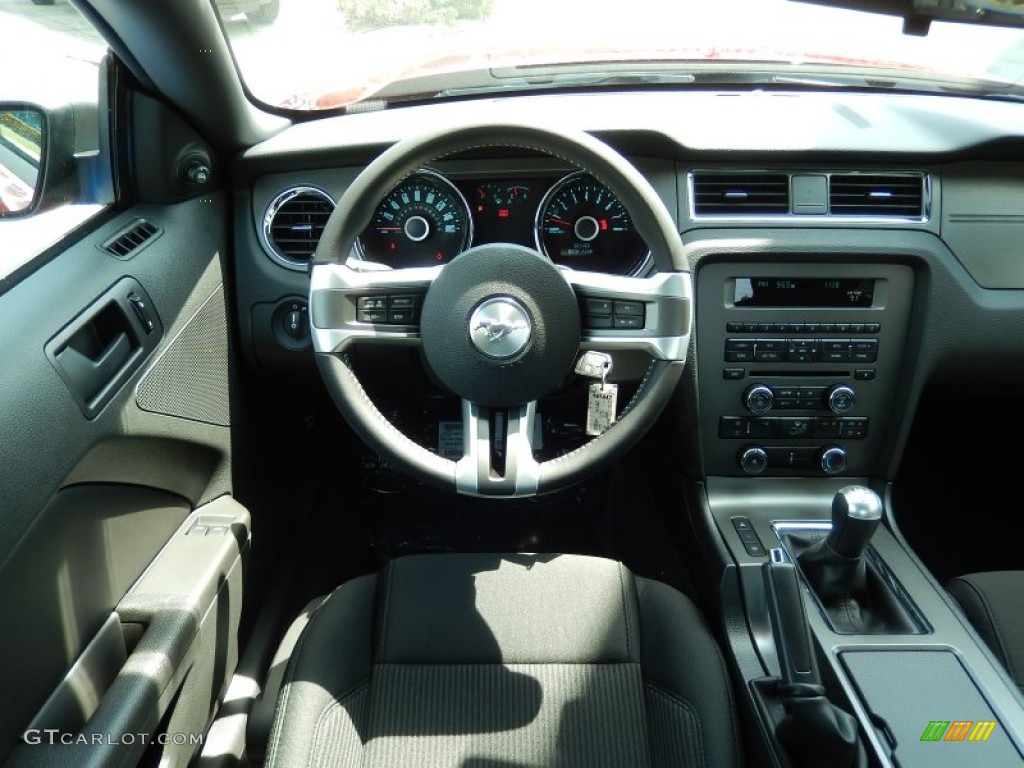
(809, 194)
(867, 194)
(740, 194)
(294, 222)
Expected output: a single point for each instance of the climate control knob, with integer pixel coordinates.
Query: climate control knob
(833, 460)
(759, 398)
(753, 460)
(841, 399)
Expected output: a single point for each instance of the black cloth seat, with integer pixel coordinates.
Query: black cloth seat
(495, 661)
(992, 601)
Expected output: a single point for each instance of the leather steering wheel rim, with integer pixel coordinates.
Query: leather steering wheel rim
(652, 221)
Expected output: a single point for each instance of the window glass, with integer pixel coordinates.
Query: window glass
(323, 54)
(49, 54)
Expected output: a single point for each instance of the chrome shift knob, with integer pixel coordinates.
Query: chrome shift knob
(856, 513)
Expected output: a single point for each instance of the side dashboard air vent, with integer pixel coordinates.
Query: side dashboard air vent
(294, 222)
(740, 194)
(865, 194)
(125, 243)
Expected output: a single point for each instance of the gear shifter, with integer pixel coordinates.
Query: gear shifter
(848, 585)
(856, 513)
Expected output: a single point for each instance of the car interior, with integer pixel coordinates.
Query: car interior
(644, 420)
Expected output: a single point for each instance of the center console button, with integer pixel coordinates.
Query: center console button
(759, 398)
(794, 427)
(802, 351)
(764, 427)
(732, 427)
(785, 397)
(826, 426)
(833, 460)
(811, 397)
(841, 399)
(753, 460)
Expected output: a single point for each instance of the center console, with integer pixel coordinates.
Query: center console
(798, 364)
(801, 358)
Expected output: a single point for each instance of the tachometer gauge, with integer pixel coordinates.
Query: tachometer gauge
(422, 222)
(582, 225)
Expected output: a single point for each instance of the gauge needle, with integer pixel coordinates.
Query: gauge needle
(389, 229)
(559, 221)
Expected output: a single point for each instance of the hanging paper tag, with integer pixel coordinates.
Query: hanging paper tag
(601, 407)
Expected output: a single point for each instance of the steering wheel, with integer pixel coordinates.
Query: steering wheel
(500, 324)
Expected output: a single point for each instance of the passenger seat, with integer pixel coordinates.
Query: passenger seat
(993, 601)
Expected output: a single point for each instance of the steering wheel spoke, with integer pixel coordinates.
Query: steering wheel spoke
(349, 305)
(650, 314)
(497, 457)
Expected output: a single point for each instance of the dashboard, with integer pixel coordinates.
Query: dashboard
(846, 249)
(429, 218)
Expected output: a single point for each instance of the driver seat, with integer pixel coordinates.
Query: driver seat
(501, 661)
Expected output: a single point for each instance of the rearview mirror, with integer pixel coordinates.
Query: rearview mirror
(22, 152)
(918, 14)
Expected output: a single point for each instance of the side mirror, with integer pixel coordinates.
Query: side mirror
(23, 138)
(50, 156)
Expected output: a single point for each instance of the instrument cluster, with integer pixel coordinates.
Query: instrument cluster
(575, 221)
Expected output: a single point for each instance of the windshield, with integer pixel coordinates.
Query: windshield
(323, 54)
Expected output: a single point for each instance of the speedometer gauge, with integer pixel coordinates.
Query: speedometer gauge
(422, 222)
(582, 225)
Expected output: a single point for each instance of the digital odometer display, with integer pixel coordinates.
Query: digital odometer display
(804, 292)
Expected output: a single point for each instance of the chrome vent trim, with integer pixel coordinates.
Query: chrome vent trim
(129, 240)
(850, 196)
(743, 194)
(293, 224)
(876, 194)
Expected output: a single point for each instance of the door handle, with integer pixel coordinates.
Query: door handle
(89, 375)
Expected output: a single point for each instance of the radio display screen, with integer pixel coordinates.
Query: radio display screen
(804, 291)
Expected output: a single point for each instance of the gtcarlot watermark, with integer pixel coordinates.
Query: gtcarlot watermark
(52, 736)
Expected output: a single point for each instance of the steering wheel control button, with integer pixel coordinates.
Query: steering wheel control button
(753, 460)
(372, 315)
(841, 399)
(621, 315)
(759, 398)
(384, 309)
(833, 460)
(500, 327)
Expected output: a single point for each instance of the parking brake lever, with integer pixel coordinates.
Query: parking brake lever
(816, 733)
(789, 622)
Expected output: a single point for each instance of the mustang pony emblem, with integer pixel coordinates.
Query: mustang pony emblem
(497, 330)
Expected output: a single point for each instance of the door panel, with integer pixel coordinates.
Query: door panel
(88, 500)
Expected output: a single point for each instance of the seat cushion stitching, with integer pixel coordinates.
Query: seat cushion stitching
(289, 675)
(338, 702)
(625, 612)
(694, 725)
(387, 607)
